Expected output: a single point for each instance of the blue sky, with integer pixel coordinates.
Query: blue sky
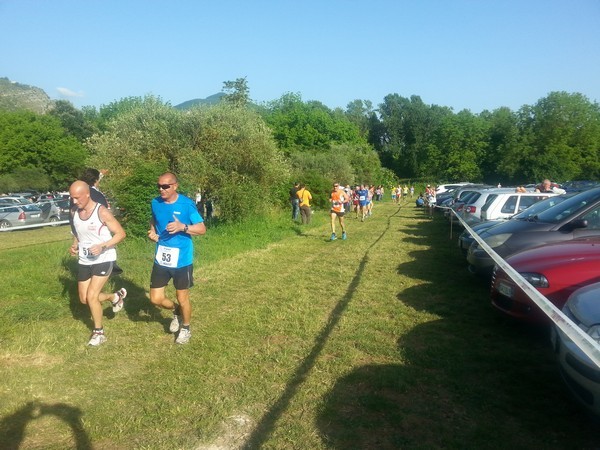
(473, 54)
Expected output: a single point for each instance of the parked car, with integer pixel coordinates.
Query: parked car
(19, 215)
(579, 185)
(556, 270)
(504, 205)
(64, 206)
(459, 197)
(448, 198)
(575, 217)
(466, 239)
(15, 200)
(50, 211)
(471, 212)
(580, 373)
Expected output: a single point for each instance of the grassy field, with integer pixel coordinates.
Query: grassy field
(383, 341)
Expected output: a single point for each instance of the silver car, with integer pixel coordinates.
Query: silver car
(580, 373)
(19, 215)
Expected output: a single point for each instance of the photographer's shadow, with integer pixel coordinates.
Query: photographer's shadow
(13, 427)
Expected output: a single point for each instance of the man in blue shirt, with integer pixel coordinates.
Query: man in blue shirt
(175, 219)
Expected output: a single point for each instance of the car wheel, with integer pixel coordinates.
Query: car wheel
(4, 224)
(52, 220)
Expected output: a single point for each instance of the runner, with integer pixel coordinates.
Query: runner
(175, 219)
(363, 201)
(337, 199)
(96, 234)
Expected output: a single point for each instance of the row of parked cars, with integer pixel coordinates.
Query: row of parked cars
(17, 210)
(553, 241)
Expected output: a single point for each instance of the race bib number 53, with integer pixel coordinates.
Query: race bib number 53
(167, 256)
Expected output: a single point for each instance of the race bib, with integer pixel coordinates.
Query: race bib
(167, 256)
(84, 250)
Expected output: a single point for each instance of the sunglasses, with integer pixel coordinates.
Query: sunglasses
(164, 186)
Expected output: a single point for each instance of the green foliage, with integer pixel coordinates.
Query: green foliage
(237, 92)
(319, 186)
(73, 120)
(226, 151)
(32, 141)
(24, 178)
(558, 137)
(135, 192)
(308, 126)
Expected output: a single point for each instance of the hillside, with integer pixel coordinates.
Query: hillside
(211, 100)
(16, 96)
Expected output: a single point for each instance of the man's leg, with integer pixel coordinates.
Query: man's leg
(332, 217)
(183, 298)
(90, 293)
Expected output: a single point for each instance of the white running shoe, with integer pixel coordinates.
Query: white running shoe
(175, 323)
(97, 339)
(118, 305)
(184, 336)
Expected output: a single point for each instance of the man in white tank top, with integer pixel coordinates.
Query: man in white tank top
(97, 234)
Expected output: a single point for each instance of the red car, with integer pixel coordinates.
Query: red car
(556, 270)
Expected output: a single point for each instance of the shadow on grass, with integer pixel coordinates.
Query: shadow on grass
(469, 379)
(13, 426)
(137, 305)
(266, 425)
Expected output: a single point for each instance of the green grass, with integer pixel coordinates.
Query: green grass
(382, 341)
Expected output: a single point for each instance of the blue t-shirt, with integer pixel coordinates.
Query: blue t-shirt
(363, 196)
(174, 250)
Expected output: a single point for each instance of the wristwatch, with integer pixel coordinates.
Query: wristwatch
(185, 228)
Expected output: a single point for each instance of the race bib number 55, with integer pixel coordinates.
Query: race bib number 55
(167, 256)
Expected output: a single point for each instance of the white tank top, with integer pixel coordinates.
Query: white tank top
(89, 232)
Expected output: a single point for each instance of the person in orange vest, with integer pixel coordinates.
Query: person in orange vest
(337, 199)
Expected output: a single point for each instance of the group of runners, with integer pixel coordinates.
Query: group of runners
(359, 200)
(96, 233)
(399, 192)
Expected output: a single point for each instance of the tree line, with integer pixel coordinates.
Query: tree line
(245, 156)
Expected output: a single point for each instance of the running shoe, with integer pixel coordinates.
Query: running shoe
(97, 338)
(344, 236)
(175, 323)
(184, 336)
(333, 236)
(118, 304)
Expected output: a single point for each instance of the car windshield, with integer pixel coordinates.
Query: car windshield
(569, 206)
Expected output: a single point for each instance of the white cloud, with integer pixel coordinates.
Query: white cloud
(65, 92)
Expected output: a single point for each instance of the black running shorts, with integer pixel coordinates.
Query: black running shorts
(94, 270)
(183, 277)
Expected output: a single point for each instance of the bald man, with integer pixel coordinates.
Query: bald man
(97, 233)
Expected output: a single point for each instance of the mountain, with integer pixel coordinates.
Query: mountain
(211, 100)
(16, 96)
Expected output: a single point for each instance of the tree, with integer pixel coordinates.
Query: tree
(225, 150)
(237, 92)
(561, 137)
(32, 141)
(73, 120)
(308, 125)
(359, 112)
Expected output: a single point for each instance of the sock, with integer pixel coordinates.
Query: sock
(187, 327)
(177, 310)
(99, 330)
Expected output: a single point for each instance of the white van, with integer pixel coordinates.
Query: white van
(503, 206)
